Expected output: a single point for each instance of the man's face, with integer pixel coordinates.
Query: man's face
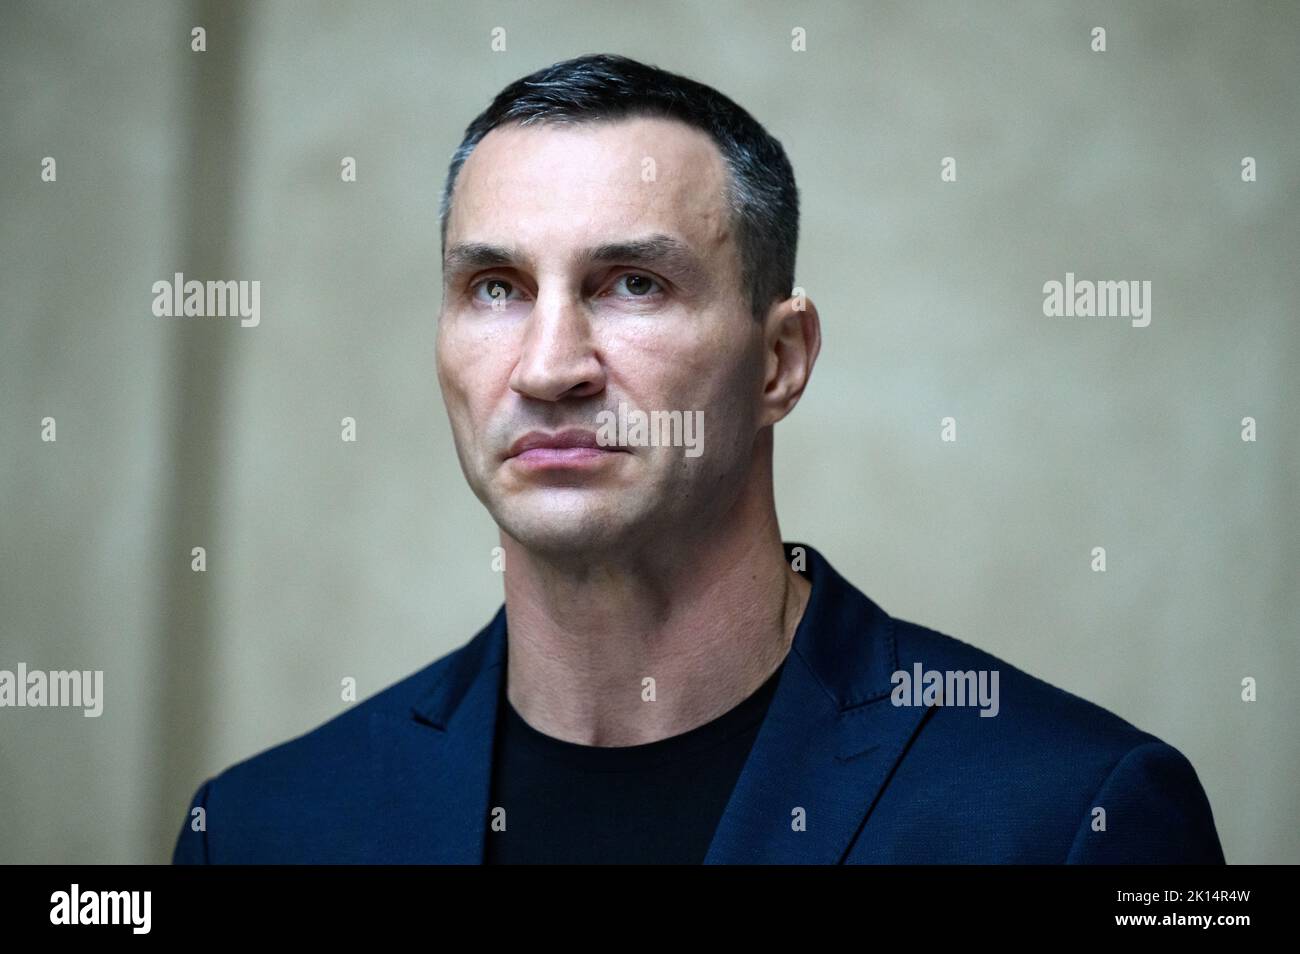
(579, 327)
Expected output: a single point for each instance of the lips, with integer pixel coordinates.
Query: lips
(574, 439)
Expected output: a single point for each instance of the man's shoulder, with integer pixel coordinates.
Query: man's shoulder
(342, 738)
(1008, 695)
(1037, 772)
(310, 795)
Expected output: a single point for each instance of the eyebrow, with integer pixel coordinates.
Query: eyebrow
(662, 251)
(658, 250)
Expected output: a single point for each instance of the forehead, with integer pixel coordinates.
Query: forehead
(549, 184)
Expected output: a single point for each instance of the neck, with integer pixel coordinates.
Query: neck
(707, 618)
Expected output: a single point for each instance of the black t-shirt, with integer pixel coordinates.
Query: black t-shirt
(657, 803)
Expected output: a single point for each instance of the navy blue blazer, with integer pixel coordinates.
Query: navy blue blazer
(849, 766)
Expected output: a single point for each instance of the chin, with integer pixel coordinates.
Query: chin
(567, 530)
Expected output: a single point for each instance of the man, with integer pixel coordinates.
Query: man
(667, 680)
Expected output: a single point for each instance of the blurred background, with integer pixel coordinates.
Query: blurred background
(328, 559)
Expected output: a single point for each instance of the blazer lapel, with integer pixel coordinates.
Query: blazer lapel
(824, 753)
(830, 740)
(433, 763)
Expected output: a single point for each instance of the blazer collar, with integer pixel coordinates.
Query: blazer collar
(821, 758)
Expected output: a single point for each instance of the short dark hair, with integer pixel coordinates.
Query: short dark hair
(763, 196)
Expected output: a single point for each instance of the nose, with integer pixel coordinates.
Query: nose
(557, 357)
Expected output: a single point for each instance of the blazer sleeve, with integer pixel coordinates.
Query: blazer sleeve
(191, 845)
(1156, 813)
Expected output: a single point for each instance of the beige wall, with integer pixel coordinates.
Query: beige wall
(369, 560)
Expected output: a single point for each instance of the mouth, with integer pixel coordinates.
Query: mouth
(564, 449)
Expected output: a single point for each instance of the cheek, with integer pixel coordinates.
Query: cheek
(685, 356)
(717, 382)
(471, 369)
(719, 374)
(729, 396)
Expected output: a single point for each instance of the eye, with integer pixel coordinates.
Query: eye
(498, 289)
(639, 285)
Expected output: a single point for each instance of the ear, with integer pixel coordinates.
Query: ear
(792, 338)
